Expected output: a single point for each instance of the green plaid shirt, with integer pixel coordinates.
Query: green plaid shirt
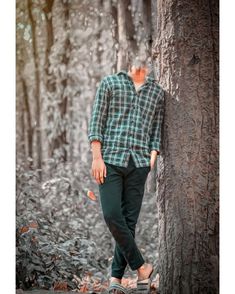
(125, 121)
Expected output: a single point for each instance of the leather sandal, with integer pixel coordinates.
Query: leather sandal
(144, 286)
(117, 288)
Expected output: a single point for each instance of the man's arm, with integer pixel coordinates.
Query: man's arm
(99, 113)
(96, 128)
(155, 137)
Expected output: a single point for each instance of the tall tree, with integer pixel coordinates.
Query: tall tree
(186, 52)
(59, 140)
(126, 33)
(35, 48)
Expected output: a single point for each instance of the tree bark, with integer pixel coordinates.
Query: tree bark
(147, 22)
(115, 34)
(29, 127)
(60, 140)
(37, 88)
(126, 32)
(50, 40)
(186, 54)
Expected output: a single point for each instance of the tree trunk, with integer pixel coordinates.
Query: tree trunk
(147, 23)
(29, 126)
(186, 52)
(37, 88)
(49, 28)
(60, 140)
(126, 32)
(115, 35)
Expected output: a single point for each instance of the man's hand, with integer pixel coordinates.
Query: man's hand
(153, 159)
(98, 170)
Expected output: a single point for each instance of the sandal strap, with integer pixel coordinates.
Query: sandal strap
(114, 285)
(143, 288)
(145, 281)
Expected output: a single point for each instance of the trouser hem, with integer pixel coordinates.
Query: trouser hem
(116, 275)
(135, 267)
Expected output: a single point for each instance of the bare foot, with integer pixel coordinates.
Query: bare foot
(144, 271)
(113, 279)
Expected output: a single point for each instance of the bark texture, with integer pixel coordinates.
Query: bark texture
(186, 55)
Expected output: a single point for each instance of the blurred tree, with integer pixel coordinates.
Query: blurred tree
(59, 140)
(35, 48)
(126, 33)
(56, 65)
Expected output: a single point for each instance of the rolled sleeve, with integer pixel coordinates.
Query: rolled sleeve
(155, 137)
(99, 112)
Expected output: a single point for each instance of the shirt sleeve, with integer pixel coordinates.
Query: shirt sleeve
(99, 112)
(155, 137)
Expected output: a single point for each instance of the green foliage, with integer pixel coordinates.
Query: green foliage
(57, 232)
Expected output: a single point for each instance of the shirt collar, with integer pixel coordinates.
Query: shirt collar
(149, 76)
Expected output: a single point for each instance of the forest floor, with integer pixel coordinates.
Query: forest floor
(63, 242)
(131, 291)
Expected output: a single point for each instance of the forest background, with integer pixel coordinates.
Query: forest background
(63, 49)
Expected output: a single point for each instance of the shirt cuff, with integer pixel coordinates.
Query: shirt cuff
(95, 138)
(155, 146)
(158, 152)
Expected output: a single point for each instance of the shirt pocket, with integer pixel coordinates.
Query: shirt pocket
(121, 96)
(147, 107)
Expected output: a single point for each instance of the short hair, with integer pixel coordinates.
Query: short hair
(139, 58)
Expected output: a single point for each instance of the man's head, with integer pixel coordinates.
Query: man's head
(139, 64)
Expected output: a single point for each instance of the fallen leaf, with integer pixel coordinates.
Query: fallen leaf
(91, 195)
(60, 285)
(24, 229)
(33, 225)
(84, 289)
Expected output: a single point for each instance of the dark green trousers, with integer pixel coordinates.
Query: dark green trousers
(121, 197)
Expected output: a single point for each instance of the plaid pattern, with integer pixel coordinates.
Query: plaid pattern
(125, 121)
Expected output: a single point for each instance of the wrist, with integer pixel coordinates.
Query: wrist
(97, 156)
(154, 152)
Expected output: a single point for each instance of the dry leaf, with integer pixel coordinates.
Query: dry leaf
(91, 195)
(33, 225)
(24, 229)
(84, 289)
(60, 286)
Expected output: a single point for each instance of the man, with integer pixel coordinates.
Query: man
(125, 136)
